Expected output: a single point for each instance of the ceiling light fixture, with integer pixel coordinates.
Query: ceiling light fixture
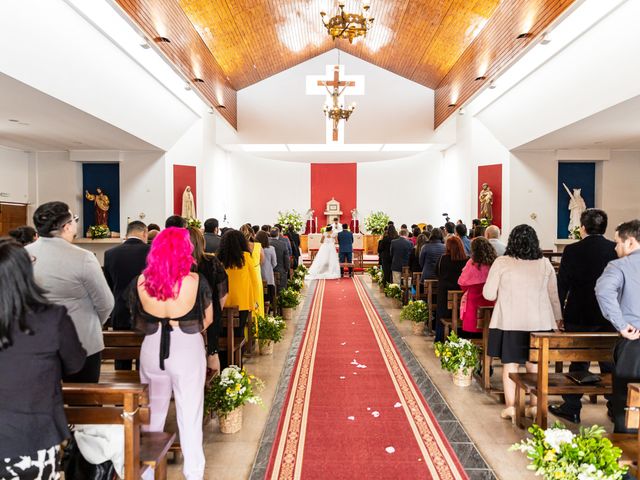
(545, 39)
(462, 111)
(524, 35)
(451, 105)
(480, 78)
(221, 107)
(349, 25)
(198, 80)
(14, 120)
(162, 40)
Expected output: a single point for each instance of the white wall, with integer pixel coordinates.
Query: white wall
(14, 176)
(620, 192)
(143, 188)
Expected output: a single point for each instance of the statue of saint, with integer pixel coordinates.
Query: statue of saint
(486, 202)
(101, 204)
(188, 205)
(577, 205)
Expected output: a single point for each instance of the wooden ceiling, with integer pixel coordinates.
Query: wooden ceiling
(254, 39)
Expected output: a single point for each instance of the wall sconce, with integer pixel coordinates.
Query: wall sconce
(533, 216)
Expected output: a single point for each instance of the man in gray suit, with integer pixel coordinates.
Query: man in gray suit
(282, 248)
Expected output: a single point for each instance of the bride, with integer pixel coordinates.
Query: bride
(326, 264)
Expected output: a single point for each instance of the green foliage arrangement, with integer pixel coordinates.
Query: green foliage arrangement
(270, 328)
(575, 234)
(415, 311)
(373, 271)
(393, 290)
(558, 453)
(300, 272)
(194, 223)
(484, 222)
(290, 217)
(98, 231)
(230, 390)
(457, 354)
(289, 298)
(295, 284)
(375, 222)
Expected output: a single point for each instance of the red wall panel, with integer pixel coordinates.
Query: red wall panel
(183, 176)
(492, 174)
(333, 180)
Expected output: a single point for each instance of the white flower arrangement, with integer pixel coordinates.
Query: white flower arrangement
(290, 218)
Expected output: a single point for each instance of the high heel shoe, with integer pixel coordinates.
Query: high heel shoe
(509, 412)
(531, 412)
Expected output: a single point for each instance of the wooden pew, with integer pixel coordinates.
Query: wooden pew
(127, 405)
(405, 284)
(228, 342)
(561, 347)
(121, 345)
(267, 300)
(415, 281)
(484, 319)
(453, 304)
(630, 442)
(430, 289)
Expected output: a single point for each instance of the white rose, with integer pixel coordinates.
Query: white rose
(557, 436)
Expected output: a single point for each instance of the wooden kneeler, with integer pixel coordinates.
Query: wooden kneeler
(229, 342)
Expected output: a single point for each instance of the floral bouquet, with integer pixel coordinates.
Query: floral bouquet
(300, 272)
(194, 223)
(290, 218)
(457, 354)
(416, 311)
(373, 272)
(379, 279)
(558, 453)
(375, 222)
(230, 390)
(289, 298)
(98, 231)
(270, 328)
(295, 284)
(393, 290)
(575, 234)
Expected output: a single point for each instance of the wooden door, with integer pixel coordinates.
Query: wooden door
(11, 216)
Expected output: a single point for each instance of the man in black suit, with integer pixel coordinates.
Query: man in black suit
(294, 238)
(211, 237)
(582, 264)
(121, 265)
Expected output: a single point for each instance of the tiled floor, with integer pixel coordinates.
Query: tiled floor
(469, 417)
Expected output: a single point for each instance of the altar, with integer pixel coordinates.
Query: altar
(367, 243)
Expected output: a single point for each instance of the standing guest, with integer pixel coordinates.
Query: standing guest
(414, 257)
(172, 305)
(384, 252)
(430, 254)
(475, 223)
(211, 237)
(477, 232)
(472, 280)
(175, 221)
(415, 234)
(492, 233)
(237, 261)
(282, 256)
(448, 272)
(294, 239)
(617, 293)
(266, 228)
(345, 248)
(255, 228)
(400, 250)
(153, 226)
(72, 277)
(581, 265)
(461, 233)
(257, 257)
(213, 272)
(449, 230)
(121, 265)
(24, 235)
(269, 262)
(38, 343)
(524, 284)
(153, 229)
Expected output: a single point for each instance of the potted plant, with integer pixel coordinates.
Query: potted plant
(375, 222)
(394, 291)
(558, 453)
(418, 313)
(295, 284)
(226, 395)
(458, 356)
(300, 273)
(270, 330)
(289, 299)
(98, 231)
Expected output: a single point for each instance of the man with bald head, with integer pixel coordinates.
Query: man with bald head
(492, 233)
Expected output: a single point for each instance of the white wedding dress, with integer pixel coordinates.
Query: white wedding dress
(326, 264)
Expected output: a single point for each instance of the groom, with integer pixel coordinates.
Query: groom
(345, 248)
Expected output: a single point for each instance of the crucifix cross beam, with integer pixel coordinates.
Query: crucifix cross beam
(336, 83)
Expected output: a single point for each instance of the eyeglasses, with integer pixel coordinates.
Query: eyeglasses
(74, 218)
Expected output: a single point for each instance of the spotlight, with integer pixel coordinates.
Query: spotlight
(221, 107)
(524, 35)
(162, 40)
(480, 78)
(451, 105)
(198, 80)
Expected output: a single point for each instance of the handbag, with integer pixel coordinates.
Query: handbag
(583, 378)
(76, 467)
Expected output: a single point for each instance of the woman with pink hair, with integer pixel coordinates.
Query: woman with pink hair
(172, 306)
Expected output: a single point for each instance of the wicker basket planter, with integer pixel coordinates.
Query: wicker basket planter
(287, 313)
(231, 422)
(265, 347)
(462, 379)
(417, 328)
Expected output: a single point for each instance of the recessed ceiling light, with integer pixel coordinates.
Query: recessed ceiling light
(524, 35)
(14, 120)
(198, 80)
(222, 107)
(481, 77)
(451, 105)
(162, 40)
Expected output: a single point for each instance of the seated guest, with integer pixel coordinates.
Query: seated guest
(472, 280)
(475, 223)
(176, 221)
(430, 254)
(461, 233)
(211, 236)
(448, 271)
(384, 252)
(492, 233)
(72, 276)
(224, 230)
(121, 265)
(414, 256)
(617, 293)
(524, 284)
(400, 251)
(38, 343)
(210, 268)
(153, 226)
(172, 305)
(267, 265)
(24, 235)
(282, 256)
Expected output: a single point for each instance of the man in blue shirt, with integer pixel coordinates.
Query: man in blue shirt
(461, 231)
(617, 293)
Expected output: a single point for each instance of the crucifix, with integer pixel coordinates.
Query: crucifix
(334, 87)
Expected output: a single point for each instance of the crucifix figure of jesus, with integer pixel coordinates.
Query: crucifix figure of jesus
(334, 86)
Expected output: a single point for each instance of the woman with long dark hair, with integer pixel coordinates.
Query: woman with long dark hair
(24, 235)
(448, 271)
(384, 251)
(523, 284)
(38, 343)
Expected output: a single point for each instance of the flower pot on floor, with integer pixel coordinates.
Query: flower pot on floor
(418, 328)
(265, 347)
(231, 422)
(287, 313)
(462, 379)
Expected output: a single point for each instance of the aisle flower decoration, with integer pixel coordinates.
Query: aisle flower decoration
(558, 453)
(373, 272)
(393, 290)
(375, 222)
(289, 298)
(415, 311)
(300, 272)
(230, 390)
(457, 354)
(290, 218)
(98, 231)
(270, 328)
(295, 284)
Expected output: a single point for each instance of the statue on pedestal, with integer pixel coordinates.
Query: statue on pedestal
(486, 202)
(355, 222)
(188, 204)
(101, 205)
(577, 205)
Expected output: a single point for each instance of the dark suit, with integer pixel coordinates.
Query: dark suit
(212, 242)
(282, 247)
(400, 250)
(294, 238)
(121, 265)
(581, 265)
(384, 256)
(345, 249)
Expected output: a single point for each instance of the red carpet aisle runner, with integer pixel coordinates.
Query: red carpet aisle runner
(353, 411)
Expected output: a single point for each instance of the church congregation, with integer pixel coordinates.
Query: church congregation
(457, 300)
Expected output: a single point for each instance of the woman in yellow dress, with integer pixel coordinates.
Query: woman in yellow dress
(258, 256)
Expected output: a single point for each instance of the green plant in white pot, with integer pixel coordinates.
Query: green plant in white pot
(417, 312)
(270, 330)
(288, 299)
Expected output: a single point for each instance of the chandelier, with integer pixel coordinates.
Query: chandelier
(336, 111)
(349, 25)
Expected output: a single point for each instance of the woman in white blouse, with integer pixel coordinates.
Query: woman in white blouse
(523, 284)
